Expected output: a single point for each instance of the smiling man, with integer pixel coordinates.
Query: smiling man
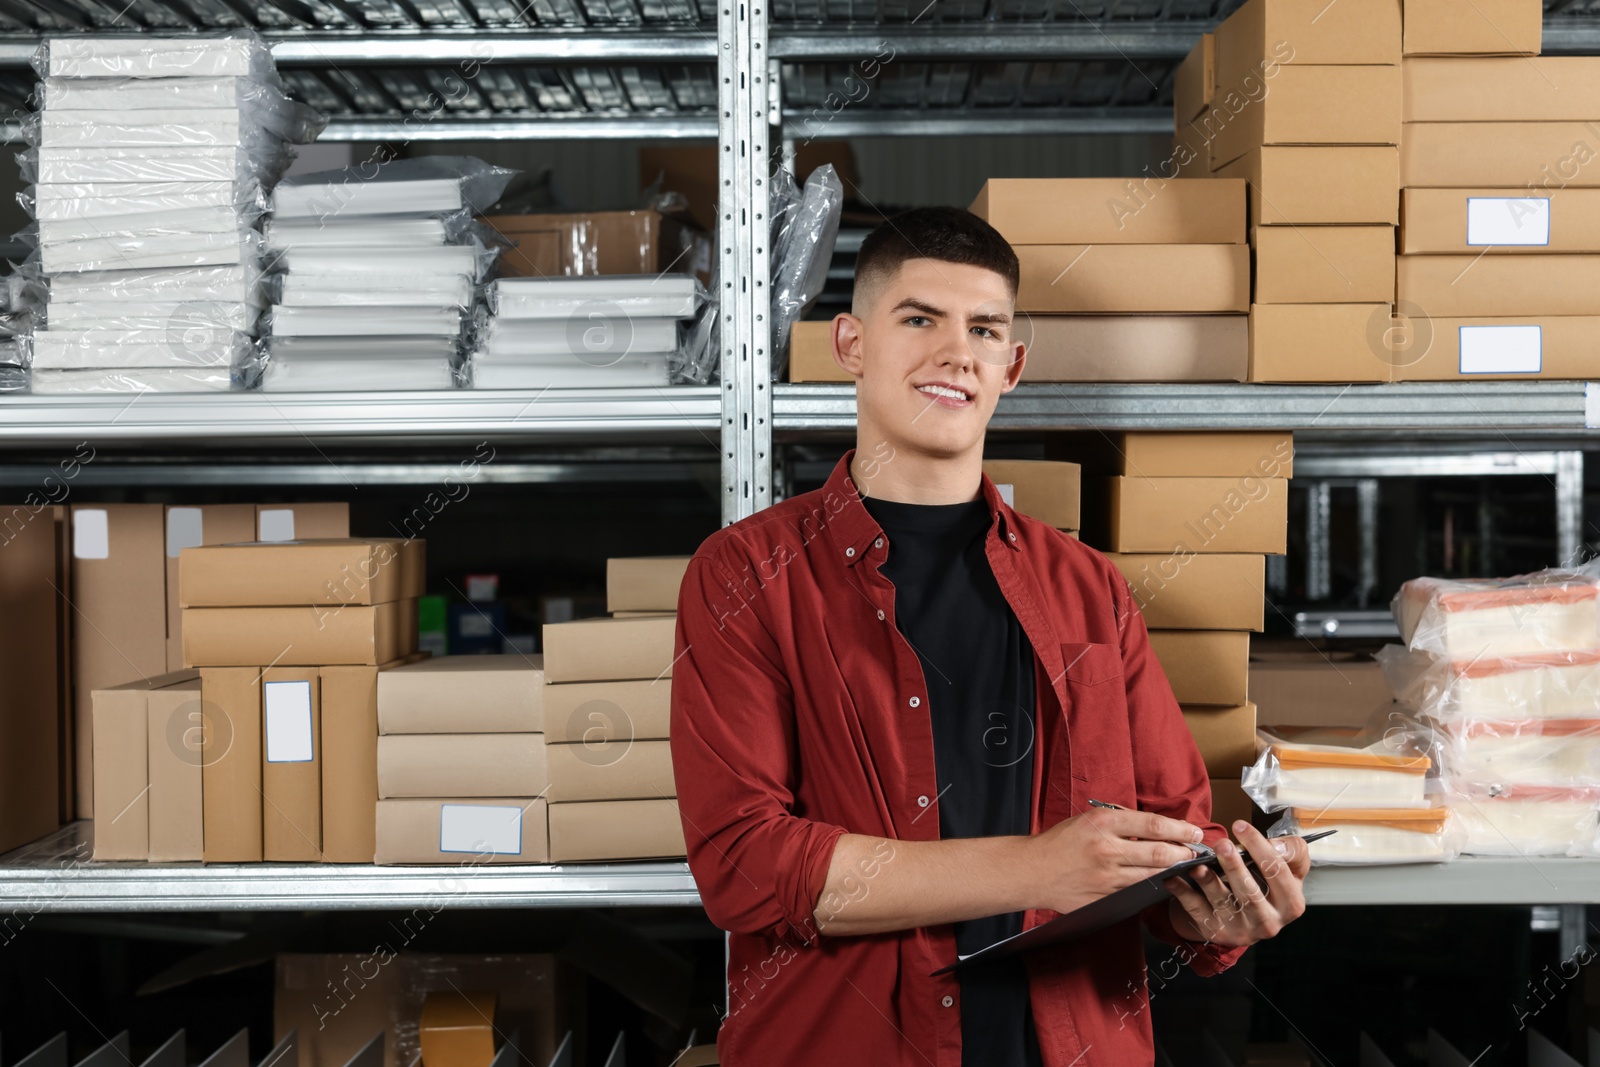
(893, 701)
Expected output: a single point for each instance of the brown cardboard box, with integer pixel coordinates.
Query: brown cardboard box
(1472, 286)
(611, 770)
(1479, 89)
(616, 830)
(457, 1029)
(1321, 184)
(291, 767)
(597, 650)
(698, 1056)
(230, 753)
(1094, 211)
(1555, 347)
(592, 242)
(1117, 279)
(66, 731)
(644, 583)
(1180, 454)
(1204, 666)
(1499, 221)
(208, 524)
(1194, 79)
(413, 568)
(1316, 106)
(465, 831)
(462, 765)
(1312, 688)
(119, 621)
(291, 522)
(595, 712)
(298, 636)
(464, 695)
(1271, 32)
(1324, 264)
(350, 761)
(1134, 348)
(1190, 156)
(1319, 343)
(811, 353)
(1047, 490)
(33, 714)
(690, 169)
(1248, 514)
(177, 819)
(333, 572)
(1230, 804)
(1483, 27)
(1531, 156)
(1197, 592)
(1226, 737)
(122, 768)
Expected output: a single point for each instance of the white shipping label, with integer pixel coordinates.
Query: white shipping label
(1500, 220)
(1501, 349)
(480, 828)
(91, 539)
(1007, 493)
(183, 530)
(277, 525)
(288, 718)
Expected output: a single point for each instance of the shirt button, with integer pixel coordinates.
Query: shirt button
(916, 702)
(880, 614)
(878, 543)
(948, 1000)
(1012, 536)
(849, 551)
(922, 802)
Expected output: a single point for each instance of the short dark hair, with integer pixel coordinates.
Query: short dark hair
(951, 234)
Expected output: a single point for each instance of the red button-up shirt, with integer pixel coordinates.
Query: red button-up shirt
(800, 713)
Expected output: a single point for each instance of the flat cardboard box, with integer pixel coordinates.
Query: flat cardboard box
(1092, 211)
(462, 765)
(1204, 666)
(1316, 106)
(1559, 347)
(597, 650)
(350, 761)
(1530, 156)
(437, 830)
(230, 753)
(33, 713)
(337, 571)
(298, 637)
(811, 353)
(1235, 515)
(119, 618)
(464, 695)
(1302, 185)
(1118, 279)
(1179, 453)
(644, 583)
(616, 830)
(291, 522)
(1486, 89)
(1266, 32)
(1190, 156)
(291, 767)
(1194, 79)
(1197, 592)
(1324, 264)
(1134, 348)
(1230, 803)
(1472, 286)
(122, 766)
(457, 1029)
(1499, 221)
(1226, 737)
(175, 723)
(1314, 688)
(558, 244)
(1483, 27)
(607, 711)
(206, 524)
(1047, 490)
(611, 770)
(1320, 343)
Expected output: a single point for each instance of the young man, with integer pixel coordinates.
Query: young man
(893, 701)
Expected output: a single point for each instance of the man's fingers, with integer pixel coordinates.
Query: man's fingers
(1146, 825)
(1283, 885)
(1156, 854)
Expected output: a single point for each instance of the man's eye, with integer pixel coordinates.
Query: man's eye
(985, 331)
(916, 320)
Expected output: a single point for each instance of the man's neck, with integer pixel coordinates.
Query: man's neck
(884, 472)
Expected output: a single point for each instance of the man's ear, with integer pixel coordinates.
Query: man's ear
(1019, 355)
(847, 343)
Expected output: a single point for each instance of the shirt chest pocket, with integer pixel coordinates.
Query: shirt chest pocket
(1098, 742)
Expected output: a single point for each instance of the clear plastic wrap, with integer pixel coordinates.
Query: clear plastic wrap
(428, 185)
(1563, 753)
(431, 265)
(659, 296)
(151, 226)
(1374, 835)
(261, 122)
(511, 340)
(457, 292)
(348, 372)
(141, 253)
(804, 236)
(234, 54)
(698, 360)
(96, 200)
(1527, 821)
(1384, 765)
(183, 315)
(1547, 611)
(363, 322)
(237, 282)
(174, 163)
(138, 349)
(367, 232)
(1541, 685)
(89, 94)
(155, 380)
(630, 370)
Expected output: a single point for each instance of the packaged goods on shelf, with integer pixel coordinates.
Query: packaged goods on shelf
(1375, 835)
(589, 650)
(1320, 343)
(1204, 666)
(1194, 80)
(1484, 27)
(1296, 110)
(1120, 279)
(1492, 221)
(1156, 514)
(1324, 264)
(341, 364)
(556, 244)
(1225, 736)
(1534, 685)
(1341, 767)
(462, 765)
(644, 583)
(633, 770)
(804, 226)
(1314, 688)
(598, 830)
(1487, 89)
(1179, 454)
(1299, 185)
(1085, 211)
(1196, 591)
(1460, 619)
(36, 760)
(291, 764)
(464, 694)
(1527, 821)
(598, 713)
(1505, 754)
(1364, 33)
(1047, 490)
(290, 522)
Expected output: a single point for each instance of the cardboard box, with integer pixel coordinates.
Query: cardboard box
(331, 572)
(175, 723)
(1197, 592)
(1134, 348)
(33, 712)
(1312, 688)
(1320, 343)
(208, 524)
(1230, 804)
(1499, 221)
(464, 695)
(1479, 89)
(457, 1029)
(1263, 33)
(1236, 515)
(1194, 79)
(230, 753)
(1047, 490)
(1483, 27)
(1226, 737)
(1316, 106)
(593, 242)
(122, 767)
(611, 770)
(1324, 264)
(1553, 347)
(119, 619)
(299, 522)
(291, 768)
(1204, 666)
(644, 583)
(1303, 185)
(597, 650)
(811, 353)
(462, 765)
(1095, 211)
(1133, 278)
(607, 711)
(1530, 156)
(463, 830)
(298, 636)
(690, 169)
(350, 760)
(1473, 286)
(616, 830)
(1179, 454)
(1190, 156)
(66, 729)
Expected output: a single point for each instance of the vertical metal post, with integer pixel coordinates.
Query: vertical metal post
(1367, 520)
(1319, 535)
(1569, 508)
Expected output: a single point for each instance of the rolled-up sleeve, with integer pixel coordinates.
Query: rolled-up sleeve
(760, 868)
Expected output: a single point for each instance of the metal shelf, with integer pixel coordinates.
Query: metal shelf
(1524, 880)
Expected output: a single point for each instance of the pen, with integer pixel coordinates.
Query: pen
(1308, 838)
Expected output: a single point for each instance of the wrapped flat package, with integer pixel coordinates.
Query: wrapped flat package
(1527, 821)
(361, 322)
(80, 349)
(400, 232)
(83, 94)
(229, 55)
(431, 185)
(630, 370)
(1312, 767)
(1535, 685)
(241, 282)
(514, 339)
(346, 373)
(663, 296)
(126, 380)
(172, 163)
(95, 200)
(1374, 835)
(1563, 753)
(150, 226)
(1548, 611)
(456, 292)
(437, 264)
(189, 314)
(140, 253)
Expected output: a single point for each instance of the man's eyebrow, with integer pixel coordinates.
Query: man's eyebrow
(990, 316)
(911, 303)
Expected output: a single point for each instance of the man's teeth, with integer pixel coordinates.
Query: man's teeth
(939, 390)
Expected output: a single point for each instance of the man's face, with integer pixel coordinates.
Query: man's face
(931, 354)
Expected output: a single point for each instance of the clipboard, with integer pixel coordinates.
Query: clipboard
(1113, 908)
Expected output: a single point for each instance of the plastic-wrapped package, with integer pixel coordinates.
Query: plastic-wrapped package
(1548, 611)
(1536, 685)
(362, 322)
(805, 234)
(86, 94)
(132, 380)
(82, 349)
(455, 292)
(513, 339)
(116, 315)
(634, 369)
(233, 54)
(435, 264)
(1374, 835)
(430, 185)
(150, 226)
(241, 282)
(141, 253)
(172, 163)
(1527, 821)
(698, 360)
(654, 296)
(378, 232)
(96, 200)
(348, 372)
(1563, 753)
(1339, 767)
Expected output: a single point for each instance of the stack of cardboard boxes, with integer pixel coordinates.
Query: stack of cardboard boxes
(1043, 489)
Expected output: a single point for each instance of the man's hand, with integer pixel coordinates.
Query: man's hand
(1233, 910)
(1103, 850)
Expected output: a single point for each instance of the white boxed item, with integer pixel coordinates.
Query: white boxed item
(1324, 766)
(1548, 611)
(77, 94)
(365, 322)
(510, 339)
(1374, 835)
(137, 253)
(174, 163)
(136, 349)
(439, 263)
(630, 370)
(1560, 753)
(82, 200)
(162, 315)
(235, 282)
(1536, 685)
(234, 56)
(128, 380)
(151, 224)
(667, 296)
(431, 185)
(385, 233)
(301, 291)
(1527, 821)
(355, 372)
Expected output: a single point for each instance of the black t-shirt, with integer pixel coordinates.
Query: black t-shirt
(978, 666)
